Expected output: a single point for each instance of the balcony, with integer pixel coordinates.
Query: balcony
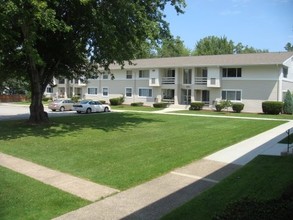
(168, 80)
(200, 80)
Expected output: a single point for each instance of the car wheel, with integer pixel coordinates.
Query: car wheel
(106, 109)
(89, 110)
(62, 109)
(78, 112)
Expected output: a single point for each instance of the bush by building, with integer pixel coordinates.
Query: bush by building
(196, 106)
(272, 107)
(237, 107)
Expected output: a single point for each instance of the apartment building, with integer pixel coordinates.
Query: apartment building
(247, 78)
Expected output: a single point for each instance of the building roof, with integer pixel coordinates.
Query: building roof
(276, 58)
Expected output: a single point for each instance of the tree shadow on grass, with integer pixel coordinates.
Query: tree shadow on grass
(64, 125)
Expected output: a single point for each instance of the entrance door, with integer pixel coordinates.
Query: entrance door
(186, 96)
(205, 96)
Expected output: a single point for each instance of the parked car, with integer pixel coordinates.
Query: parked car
(61, 105)
(89, 106)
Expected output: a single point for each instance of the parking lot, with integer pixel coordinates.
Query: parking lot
(9, 111)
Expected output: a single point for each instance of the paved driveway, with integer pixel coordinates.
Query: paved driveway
(10, 111)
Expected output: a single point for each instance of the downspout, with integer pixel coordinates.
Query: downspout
(280, 85)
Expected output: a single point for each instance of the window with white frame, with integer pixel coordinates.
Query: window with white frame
(145, 92)
(128, 92)
(144, 74)
(232, 95)
(105, 91)
(92, 91)
(232, 72)
(128, 74)
(49, 90)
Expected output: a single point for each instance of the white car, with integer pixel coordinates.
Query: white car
(89, 106)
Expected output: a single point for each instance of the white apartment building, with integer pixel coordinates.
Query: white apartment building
(247, 78)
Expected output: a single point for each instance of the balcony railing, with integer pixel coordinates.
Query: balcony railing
(168, 80)
(200, 80)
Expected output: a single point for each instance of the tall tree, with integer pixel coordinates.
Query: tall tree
(213, 45)
(240, 48)
(172, 47)
(289, 47)
(50, 38)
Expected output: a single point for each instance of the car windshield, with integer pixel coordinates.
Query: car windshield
(84, 101)
(58, 101)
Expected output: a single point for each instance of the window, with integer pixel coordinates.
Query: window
(232, 95)
(145, 92)
(144, 74)
(213, 81)
(285, 72)
(187, 76)
(49, 90)
(93, 91)
(105, 76)
(231, 72)
(170, 73)
(61, 81)
(204, 73)
(105, 91)
(153, 80)
(128, 74)
(128, 92)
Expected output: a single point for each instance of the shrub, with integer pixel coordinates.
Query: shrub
(137, 104)
(160, 105)
(196, 106)
(46, 99)
(117, 101)
(288, 103)
(102, 101)
(237, 107)
(75, 98)
(272, 107)
(219, 107)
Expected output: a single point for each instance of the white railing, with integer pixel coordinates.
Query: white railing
(200, 80)
(168, 80)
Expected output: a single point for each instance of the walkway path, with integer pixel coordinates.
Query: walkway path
(154, 199)
(68, 183)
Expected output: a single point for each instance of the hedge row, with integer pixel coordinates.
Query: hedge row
(160, 105)
(272, 107)
(117, 101)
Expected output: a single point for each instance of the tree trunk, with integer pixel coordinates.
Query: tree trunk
(37, 113)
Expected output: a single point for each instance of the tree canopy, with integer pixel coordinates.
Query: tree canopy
(213, 45)
(43, 39)
(289, 47)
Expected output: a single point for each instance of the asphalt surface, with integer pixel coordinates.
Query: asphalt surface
(9, 111)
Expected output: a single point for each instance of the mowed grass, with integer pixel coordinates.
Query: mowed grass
(264, 178)
(24, 198)
(234, 114)
(122, 150)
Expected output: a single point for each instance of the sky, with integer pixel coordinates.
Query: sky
(262, 24)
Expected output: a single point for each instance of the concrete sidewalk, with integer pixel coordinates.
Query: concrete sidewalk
(68, 183)
(154, 199)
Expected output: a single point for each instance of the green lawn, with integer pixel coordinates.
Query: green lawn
(124, 149)
(265, 178)
(24, 198)
(134, 108)
(242, 114)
